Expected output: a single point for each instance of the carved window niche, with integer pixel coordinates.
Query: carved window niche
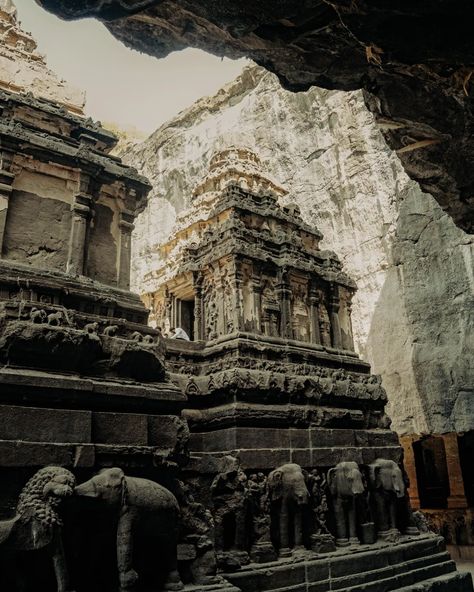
(300, 311)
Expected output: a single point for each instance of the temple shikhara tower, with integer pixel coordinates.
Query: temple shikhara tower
(240, 263)
(255, 456)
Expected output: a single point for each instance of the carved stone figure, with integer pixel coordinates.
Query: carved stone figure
(197, 535)
(36, 524)
(91, 328)
(289, 493)
(143, 506)
(55, 318)
(345, 483)
(262, 549)
(37, 315)
(136, 336)
(230, 501)
(110, 330)
(386, 486)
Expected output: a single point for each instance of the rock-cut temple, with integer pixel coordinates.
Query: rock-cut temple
(255, 456)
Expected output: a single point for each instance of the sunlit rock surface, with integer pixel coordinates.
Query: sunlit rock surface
(413, 266)
(24, 69)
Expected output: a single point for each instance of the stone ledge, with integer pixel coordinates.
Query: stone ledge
(414, 561)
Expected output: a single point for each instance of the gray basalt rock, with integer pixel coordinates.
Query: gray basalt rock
(411, 314)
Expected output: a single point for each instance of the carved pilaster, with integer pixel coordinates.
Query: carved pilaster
(336, 340)
(284, 292)
(350, 336)
(257, 302)
(6, 181)
(315, 336)
(457, 493)
(410, 468)
(81, 213)
(125, 249)
(198, 307)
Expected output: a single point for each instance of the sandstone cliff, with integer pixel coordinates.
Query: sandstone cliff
(414, 269)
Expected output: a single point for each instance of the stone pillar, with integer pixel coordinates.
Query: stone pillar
(81, 213)
(167, 317)
(315, 336)
(350, 337)
(198, 307)
(257, 302)
(457, 494)
(125, 249)
(238, 312)
(410, 468)
(334, 318)
(6, 181)
(285, 306)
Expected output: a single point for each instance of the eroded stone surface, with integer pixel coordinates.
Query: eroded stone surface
(413, 267)
(24, 69)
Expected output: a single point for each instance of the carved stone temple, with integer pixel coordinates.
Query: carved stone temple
(255, 456)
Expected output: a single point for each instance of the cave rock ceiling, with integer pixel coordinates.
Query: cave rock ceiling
(415, 61)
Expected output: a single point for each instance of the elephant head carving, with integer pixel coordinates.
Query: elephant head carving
(143, 507)
(387, 475)
(345, 480)
(387, 486)
(288, 483)
(289, 494)
(345, 483)
(108, 485)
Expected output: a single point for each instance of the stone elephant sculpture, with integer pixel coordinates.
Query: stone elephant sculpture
(289, 495)
(142, 506)
(386, 486)
(345, 483)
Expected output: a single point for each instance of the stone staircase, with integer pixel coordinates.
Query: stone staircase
(415, 564)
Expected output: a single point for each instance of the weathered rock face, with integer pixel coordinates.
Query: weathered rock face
(412, 265)
(24, 69)
(415, 59)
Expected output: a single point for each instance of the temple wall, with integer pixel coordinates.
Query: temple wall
(38, 221)
(413, 267)
(103, 241)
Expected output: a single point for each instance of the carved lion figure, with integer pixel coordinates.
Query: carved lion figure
(37, 524)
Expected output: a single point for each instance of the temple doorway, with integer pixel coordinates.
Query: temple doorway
(187, 317)
(432, 472)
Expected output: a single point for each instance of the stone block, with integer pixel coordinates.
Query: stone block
(163, 430)
(328, 457)
(299, 438)
(321, 437)
(388, 452)
(120, 428)
(317, 571)
(302, 457)
(31, 454)
(33, 424)
(263, 459)
(261, 437)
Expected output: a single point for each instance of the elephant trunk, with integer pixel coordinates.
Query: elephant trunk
(86, 489)
(302, 498)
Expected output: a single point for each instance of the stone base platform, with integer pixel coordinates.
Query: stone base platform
(267, 448)
(419, 564)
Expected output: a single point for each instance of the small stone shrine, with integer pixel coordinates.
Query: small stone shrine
(256, 456)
